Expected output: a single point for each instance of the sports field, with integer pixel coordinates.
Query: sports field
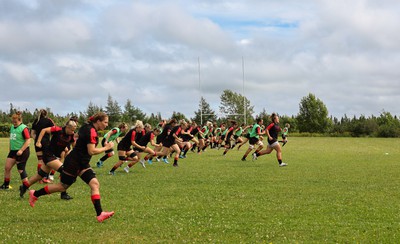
(334, 190)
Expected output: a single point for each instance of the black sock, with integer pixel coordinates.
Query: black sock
(97, 206)
(280, 161)
(104, 158)
(40, 192)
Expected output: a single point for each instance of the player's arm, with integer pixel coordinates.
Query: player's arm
(41, 135)
(93, 150)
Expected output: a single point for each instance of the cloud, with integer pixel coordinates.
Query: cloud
(68, 53)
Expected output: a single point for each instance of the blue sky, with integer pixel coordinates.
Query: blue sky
(65, 54)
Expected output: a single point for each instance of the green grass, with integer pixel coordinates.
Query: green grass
(335, 190)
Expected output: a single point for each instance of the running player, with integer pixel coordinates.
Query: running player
(61, 138)
(255, 138)
(228, 136)
(246, 137)
(172, 140)
(77, 163)
(202, 136)
(41, 122)
(125, 151)
(111, 135)
(272, 132)
(142, 142)
(19, 151)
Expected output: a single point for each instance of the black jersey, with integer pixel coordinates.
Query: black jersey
(161, 137)
(59, 140)
(87, 135)
(189, 136)
(132, 135)
(146, 138)
(170, 139)
(39, 125)
(274, 130)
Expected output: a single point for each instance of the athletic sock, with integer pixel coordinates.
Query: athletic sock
(104, 158)
(41, 192)
(25, 185)
(6, 181)
(97, 204)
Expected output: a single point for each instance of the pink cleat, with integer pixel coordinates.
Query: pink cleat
(32, 198)
(104, 215)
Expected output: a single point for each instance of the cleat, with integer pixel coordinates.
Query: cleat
(158, 160)
(126, 169)
(150, 161)
(32, 198)
(254, 156)
(65, 196)
(5, 187)
(175, 164)
(51, 177)
(99, 164)
(282, 165)
(22, 191)
(165, 160)
(243, 159)
(142, 163)
(104, 215)
(111, 173)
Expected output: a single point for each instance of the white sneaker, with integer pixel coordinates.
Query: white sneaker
(254, 156)
(158, 160)
(142, 163)
(126, 169)
(51, 177)
(282, 164)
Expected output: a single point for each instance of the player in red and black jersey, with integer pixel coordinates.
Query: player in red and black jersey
(125, 151)
(170, 143)
(62, 138)
(161, 137)
(41, 122)
(229, 136)
(77, 163)
(272, 131)
(187, 136)
(142, 142)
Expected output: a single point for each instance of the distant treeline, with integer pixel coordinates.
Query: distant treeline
(312, 119)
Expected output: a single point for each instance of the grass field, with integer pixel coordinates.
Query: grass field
(334, 190)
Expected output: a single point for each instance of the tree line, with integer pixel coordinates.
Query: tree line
(312, 119)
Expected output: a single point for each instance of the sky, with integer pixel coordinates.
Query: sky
(164, 55)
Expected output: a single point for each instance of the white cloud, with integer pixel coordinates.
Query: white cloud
(68, 53)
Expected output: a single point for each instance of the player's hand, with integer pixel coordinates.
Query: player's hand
(109, 145)
(38, 144)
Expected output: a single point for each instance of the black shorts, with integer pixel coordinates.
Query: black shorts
(138, 149)
(48, 157)
(160, 138)
(73, 165)
(168, 143)
(122, 147)
(235, 137)
(253, 140)
(23, 158)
